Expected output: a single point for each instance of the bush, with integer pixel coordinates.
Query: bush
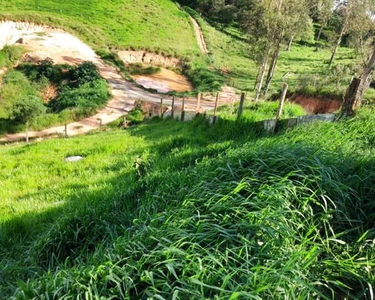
(205, 80)
(135, 116)
(85, 73)
(26, 109)
(89, 95)
(48, 69)
(9, 55)
(15, 86)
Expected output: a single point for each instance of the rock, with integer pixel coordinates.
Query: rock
(19, 41)
(73, 158)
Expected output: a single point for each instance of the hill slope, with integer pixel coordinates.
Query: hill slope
(179, 210)
(146, 24)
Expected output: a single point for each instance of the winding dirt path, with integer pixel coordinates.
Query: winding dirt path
(200, 37)
(62, 47)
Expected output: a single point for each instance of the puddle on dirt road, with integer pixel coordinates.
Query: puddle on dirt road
(164, 81)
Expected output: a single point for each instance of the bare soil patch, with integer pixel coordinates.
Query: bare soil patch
(164, 81)
(200, 37)
(49, 93)
(315, 105)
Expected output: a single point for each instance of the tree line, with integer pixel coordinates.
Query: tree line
(269, 24)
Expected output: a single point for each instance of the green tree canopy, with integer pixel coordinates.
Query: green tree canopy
(27, 109)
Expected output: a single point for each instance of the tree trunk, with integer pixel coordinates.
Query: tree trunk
(257, 79)
(290, 44)
(271, 70)
(364, 78)
(320, 33)
(357, 88)
(349, 100)
(262, 73)
(338, 43)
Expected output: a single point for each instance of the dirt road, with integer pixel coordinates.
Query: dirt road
(62, 47)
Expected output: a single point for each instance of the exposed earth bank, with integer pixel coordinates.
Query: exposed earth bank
(315, 105)
(164, 81)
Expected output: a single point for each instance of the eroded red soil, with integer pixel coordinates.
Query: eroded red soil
(315, 105)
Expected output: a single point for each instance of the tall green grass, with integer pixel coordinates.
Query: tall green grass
(9, 55)
(170, 210)
(260, 111)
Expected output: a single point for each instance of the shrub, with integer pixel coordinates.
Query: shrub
(26, 109)
(85, 73)
(205, 80)
(15, 86)
(88, 95)
(9, 55)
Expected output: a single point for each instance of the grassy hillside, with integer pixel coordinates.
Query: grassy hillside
(172, 210)
(146, 24)
(232, 55)
(162, 27)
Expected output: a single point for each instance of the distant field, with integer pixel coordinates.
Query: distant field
(154, 25)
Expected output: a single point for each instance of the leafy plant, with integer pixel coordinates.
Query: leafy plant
(84, 73)
(27, 109)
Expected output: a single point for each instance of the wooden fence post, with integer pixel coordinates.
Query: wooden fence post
(66, 130)
(161, 108)
(27, 135)
(125, 122)
(183, 109)
(281, 105)
(198, 103)
(215, 109)
(172, 113)
(100, 123)
(240, 108)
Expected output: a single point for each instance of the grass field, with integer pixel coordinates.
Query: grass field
(187, 210)
(231, 54)
(171, 210)
(146, 24)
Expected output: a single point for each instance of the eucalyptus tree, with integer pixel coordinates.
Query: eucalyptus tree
(26, 110)
(362, 38)
(294, 21)
(267, 23)
(324, 10)
(346, 11)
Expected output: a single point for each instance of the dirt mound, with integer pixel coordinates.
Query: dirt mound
(315, 105)
(131, 57)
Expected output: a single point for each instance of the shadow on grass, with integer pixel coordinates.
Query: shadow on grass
(10, 126)
(89, 219)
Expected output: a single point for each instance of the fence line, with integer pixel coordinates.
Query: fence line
(268, 126)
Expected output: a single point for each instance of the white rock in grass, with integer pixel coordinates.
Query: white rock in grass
(73, 158)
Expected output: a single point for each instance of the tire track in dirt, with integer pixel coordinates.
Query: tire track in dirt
(200, 37)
